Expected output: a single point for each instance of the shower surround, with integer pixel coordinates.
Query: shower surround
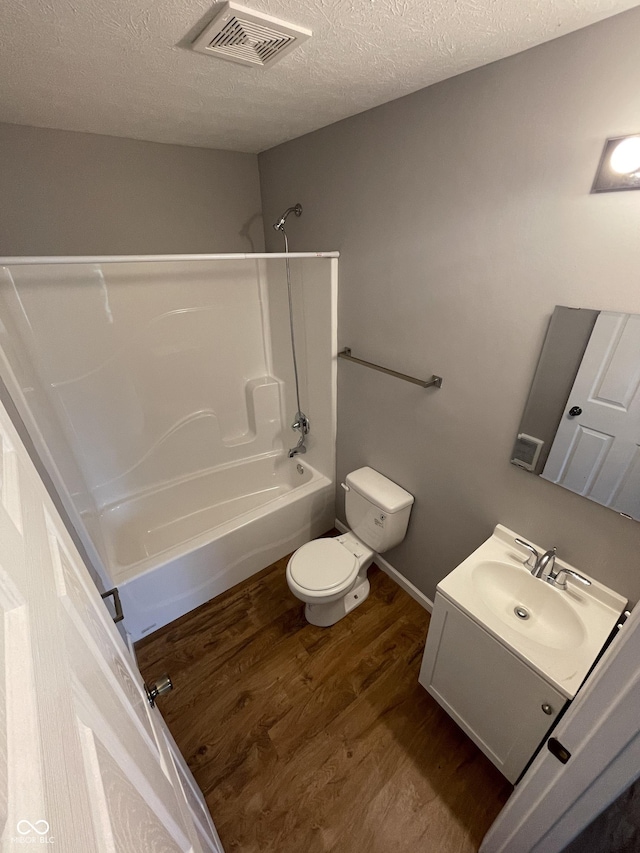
(159, 396)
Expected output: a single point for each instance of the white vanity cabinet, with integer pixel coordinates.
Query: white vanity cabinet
(506, 650)
(504, 706)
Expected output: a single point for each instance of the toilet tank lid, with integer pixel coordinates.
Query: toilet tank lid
(379, 490)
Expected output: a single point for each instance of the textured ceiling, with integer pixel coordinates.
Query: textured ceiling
(120, 67)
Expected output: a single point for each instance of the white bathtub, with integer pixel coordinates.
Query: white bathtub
(159, 394)
(174, 548)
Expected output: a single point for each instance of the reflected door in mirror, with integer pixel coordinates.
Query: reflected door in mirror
(596, 451)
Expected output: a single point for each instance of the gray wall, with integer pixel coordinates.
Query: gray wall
(463, 216)
(67, 193)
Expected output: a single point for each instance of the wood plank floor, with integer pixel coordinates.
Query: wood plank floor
(307, 739)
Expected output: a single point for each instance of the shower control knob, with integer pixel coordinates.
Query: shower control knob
(158, 688)
(574, 411)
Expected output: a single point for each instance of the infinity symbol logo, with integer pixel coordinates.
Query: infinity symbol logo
(24, 827)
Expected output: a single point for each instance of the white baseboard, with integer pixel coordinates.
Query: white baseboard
(406, 585)
(395, 575)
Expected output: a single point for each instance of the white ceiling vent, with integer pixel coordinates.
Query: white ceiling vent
(251, 38)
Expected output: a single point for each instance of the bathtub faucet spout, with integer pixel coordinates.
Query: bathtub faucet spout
(299, 448)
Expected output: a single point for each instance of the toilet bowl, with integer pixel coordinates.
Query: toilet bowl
(330, 575)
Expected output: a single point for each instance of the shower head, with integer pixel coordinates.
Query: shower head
(279, 225)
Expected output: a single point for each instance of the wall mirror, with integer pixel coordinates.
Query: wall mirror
(581, 424)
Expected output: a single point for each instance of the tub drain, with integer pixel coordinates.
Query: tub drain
(521, 612)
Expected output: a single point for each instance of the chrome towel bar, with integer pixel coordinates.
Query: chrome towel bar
(435, 381)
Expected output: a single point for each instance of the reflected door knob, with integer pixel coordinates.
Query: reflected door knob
(574, 411)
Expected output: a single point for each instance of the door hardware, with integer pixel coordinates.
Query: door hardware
(556, 748)
(116, 603)
(158, 688)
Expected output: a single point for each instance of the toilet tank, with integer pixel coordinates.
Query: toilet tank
(377, 509)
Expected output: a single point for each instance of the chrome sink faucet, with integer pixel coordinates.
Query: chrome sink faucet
(536, 562)
(539, 564)
(546, 562)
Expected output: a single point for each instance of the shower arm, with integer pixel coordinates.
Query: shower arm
(279, 225)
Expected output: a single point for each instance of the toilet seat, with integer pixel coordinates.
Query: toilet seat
(322, 569)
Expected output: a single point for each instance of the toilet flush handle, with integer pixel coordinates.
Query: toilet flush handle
(345, 487)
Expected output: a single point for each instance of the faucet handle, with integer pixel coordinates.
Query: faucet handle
(560, 579)
(533, 555)
(301, 422)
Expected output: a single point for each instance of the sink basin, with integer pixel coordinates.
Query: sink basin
(558, 633)
(527, 605)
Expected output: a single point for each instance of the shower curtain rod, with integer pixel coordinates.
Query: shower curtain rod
(140, 259)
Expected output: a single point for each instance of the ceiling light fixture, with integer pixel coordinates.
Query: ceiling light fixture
(619, 167)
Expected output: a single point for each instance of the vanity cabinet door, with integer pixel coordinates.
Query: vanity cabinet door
(492, 695)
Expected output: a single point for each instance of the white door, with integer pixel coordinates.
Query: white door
(597, 452)
(85, 763)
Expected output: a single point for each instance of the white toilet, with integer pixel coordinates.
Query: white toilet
(330, 575)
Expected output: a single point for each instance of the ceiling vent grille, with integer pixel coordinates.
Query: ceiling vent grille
(251, 38)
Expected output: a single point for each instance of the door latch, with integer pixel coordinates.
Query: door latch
(556, 748)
